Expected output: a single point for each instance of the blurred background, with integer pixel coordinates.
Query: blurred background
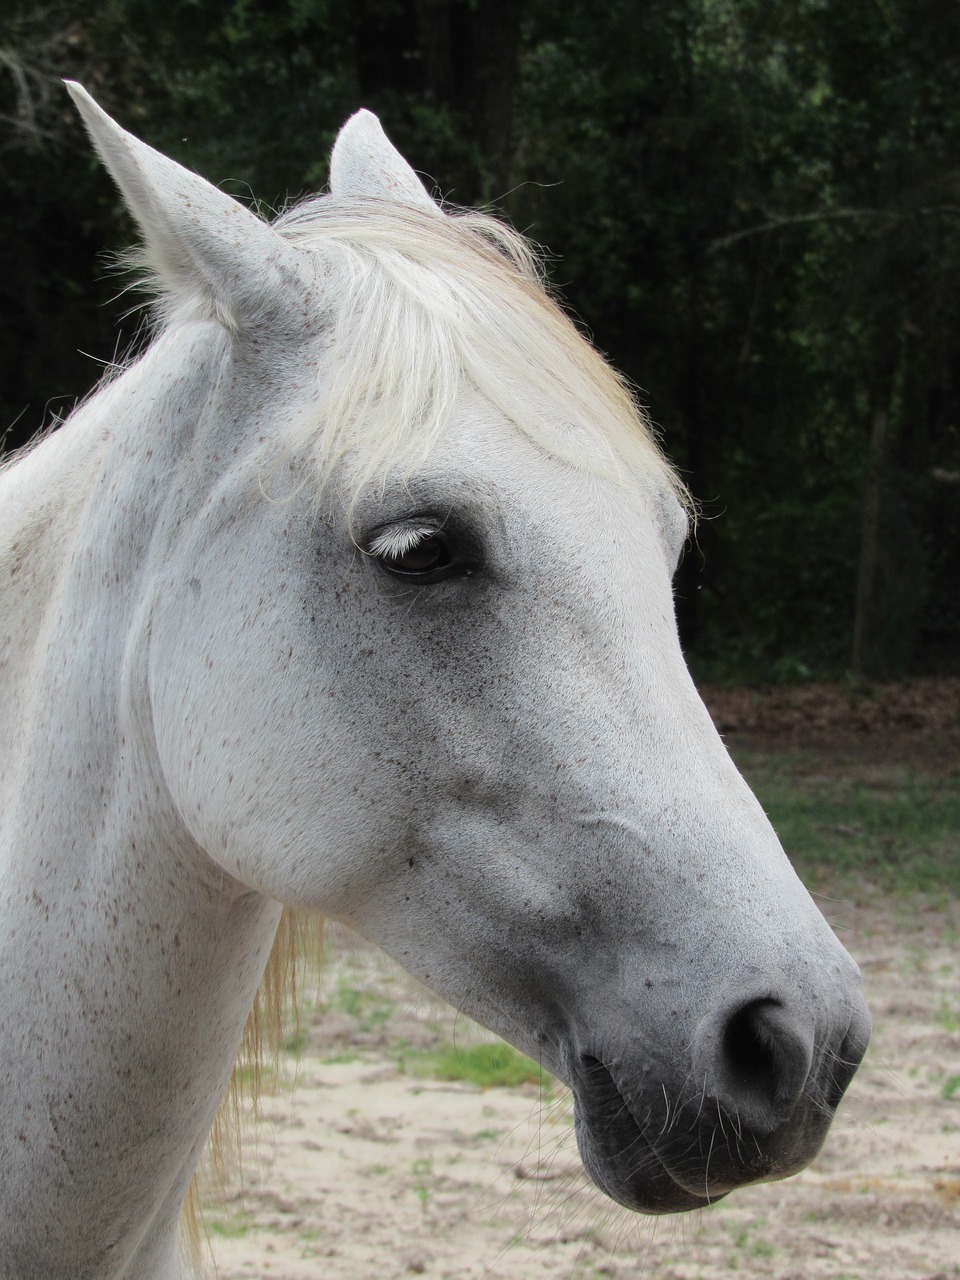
(752, 205)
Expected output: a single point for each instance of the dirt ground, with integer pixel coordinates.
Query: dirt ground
(912, 721)
(358, 1170)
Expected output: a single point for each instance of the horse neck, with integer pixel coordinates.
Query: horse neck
(85, 500)
(128, 962)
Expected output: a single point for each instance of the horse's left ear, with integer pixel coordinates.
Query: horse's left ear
(365, 165)
(205, 251)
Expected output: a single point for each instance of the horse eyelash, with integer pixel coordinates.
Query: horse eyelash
(399, 539)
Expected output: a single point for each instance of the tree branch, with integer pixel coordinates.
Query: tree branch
(829, 215)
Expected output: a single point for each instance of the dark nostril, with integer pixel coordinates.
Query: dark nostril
(750, 1051)
(763, 1060)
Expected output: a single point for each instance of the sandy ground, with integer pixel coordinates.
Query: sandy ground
(357, 1170)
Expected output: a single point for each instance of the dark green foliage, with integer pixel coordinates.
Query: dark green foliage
(760, 219)
(758, 208)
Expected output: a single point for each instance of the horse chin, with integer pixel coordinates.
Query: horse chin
(633, 1174)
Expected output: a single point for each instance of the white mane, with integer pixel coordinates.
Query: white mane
(424, 305)
(427, 304)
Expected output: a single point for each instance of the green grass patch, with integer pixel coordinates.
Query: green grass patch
(249, 1075)
(948, 1015)
(951, 1088)
(296, 1043)
(371, 1010)
(896, 827)
(232, 1227)
(491, 1066)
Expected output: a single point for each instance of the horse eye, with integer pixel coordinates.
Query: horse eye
(429, 555)
(414, 550)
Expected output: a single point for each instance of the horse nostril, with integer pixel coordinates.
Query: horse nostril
(763, 1057)
(750, 1051)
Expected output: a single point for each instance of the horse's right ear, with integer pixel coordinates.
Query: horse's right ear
(206, 252)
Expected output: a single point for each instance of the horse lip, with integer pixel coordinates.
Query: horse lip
(656, 1191)
(649, 1184)
(645, 1188)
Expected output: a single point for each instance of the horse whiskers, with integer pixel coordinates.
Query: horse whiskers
(706, 1167)
(666, 1112)
(720, 1124)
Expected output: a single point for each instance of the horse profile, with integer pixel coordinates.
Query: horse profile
(352, 595)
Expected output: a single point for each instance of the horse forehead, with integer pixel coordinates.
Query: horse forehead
(518, 472)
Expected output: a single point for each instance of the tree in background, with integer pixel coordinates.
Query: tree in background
(758, 207)
(759, 216)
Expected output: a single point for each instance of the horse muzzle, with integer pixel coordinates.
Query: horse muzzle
(753, 1103)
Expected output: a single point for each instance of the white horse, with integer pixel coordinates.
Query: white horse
(352, 594)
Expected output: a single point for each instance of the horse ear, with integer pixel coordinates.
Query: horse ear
(366, 165)
(201, 246)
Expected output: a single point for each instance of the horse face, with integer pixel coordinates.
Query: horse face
(455, 715)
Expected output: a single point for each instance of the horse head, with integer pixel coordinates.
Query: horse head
(405, 655)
